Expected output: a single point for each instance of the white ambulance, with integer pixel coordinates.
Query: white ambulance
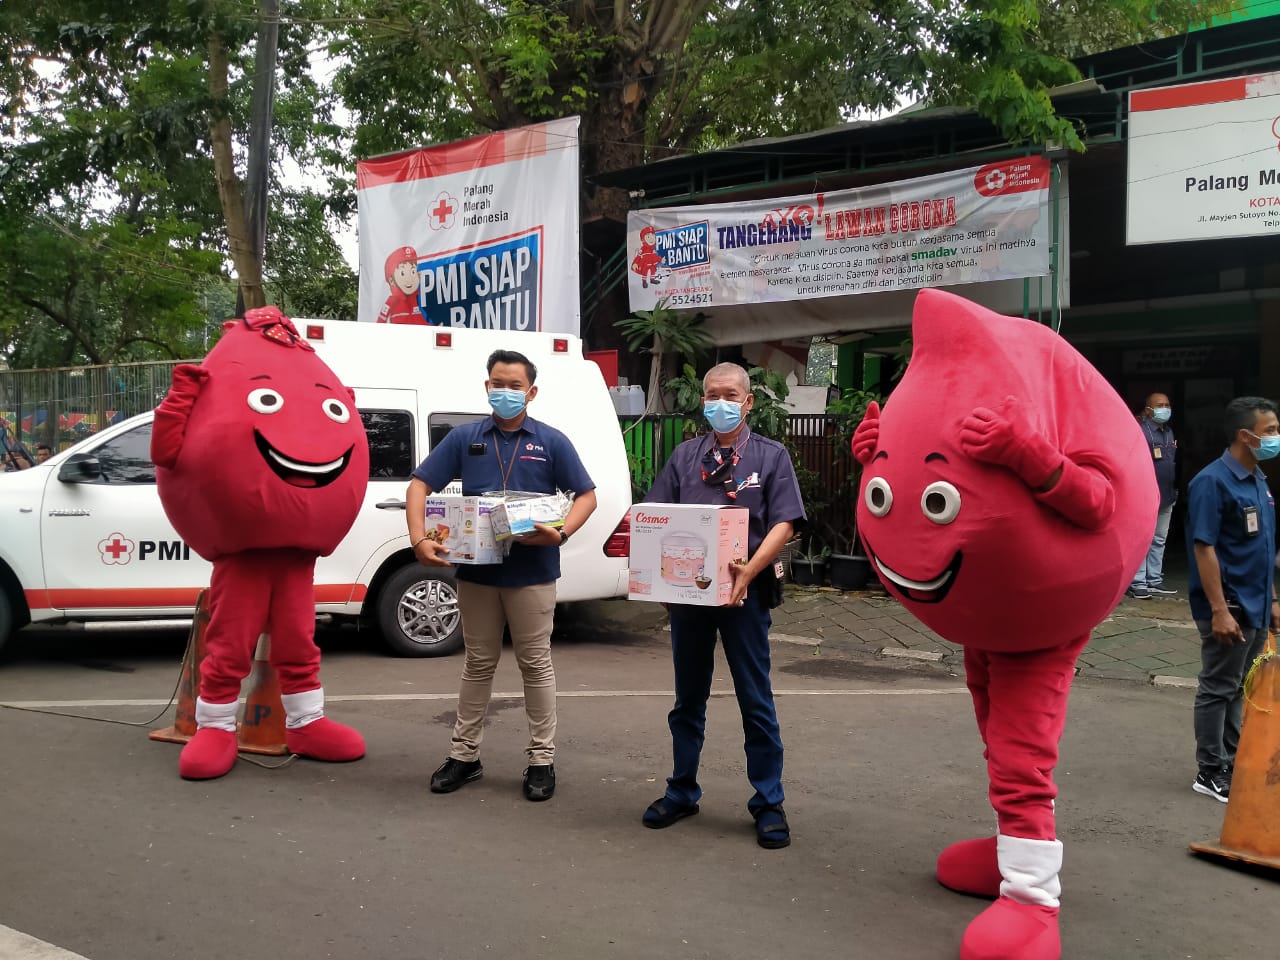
(83, 538)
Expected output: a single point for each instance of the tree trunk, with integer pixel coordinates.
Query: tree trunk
(656, 402)
(248, 267)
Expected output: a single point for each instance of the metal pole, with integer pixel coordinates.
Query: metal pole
(1055, 263)
(259, 166)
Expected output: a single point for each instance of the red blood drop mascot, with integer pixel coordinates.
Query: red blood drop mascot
(1006, 500)
(262, 463)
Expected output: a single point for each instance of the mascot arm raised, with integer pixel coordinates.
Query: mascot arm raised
(1079, 492)
(867, 435)
(170, 423)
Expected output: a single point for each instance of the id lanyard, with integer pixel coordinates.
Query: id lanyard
(723, 470)
(505, 474)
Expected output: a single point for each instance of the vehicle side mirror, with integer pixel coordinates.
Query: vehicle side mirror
(81, 468)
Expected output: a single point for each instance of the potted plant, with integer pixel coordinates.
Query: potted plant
(847, 567)
(809, 565)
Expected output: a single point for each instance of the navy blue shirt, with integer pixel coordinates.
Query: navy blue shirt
(536, 458)
(1160, 438)
(1221, 497)
(764, 479)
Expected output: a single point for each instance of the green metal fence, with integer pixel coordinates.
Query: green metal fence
(818, 444)
(61, 406)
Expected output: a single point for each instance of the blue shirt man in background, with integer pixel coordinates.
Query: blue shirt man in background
(1149, 580)
(733, 467)
(1231, 536)
(508, 451)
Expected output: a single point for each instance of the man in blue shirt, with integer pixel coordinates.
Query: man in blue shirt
(509, 451)
(1231, 536)
(734, 467)
(1149, 580)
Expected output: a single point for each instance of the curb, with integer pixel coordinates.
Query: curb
(907, 653)
(1189, 683)
(801, 641)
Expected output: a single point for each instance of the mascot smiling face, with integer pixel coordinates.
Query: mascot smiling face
(966, 545)
(269, 450)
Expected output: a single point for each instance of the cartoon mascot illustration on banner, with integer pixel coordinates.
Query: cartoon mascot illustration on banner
(645, 264)
(1007, 499)
(401, 305)
(261, 464)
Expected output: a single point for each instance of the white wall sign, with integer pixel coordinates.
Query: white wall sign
(1204, 160)
(482, 233)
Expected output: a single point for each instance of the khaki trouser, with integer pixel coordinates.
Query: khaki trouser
(529, 612)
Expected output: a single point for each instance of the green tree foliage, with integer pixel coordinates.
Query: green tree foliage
(121, 167)
(123, 123)
(656, 77)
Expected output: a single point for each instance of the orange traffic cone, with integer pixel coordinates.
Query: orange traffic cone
(1251, 829)
(184, 716)
(261, 728)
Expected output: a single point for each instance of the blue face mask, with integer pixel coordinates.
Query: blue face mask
(1161, 414)
(1269, 447)
(507, 404)
(723, 415)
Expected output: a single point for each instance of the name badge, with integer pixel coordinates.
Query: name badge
(1157, 452)
(1251, 521)
(779, 570)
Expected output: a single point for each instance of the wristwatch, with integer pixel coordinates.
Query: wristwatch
(564, 537)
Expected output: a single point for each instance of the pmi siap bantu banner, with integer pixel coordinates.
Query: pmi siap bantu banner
(480, 234)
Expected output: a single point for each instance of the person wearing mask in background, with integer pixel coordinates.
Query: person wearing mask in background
(1231, 538)
(1154, 420)
(734, 467)
(508, 451)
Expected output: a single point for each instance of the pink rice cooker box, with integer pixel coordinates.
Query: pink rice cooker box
(681, 552)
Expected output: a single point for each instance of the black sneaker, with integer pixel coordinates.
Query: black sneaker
(1162, 592)
(1138, 593)
(452, 774)
(1216, 785)
(540, 782)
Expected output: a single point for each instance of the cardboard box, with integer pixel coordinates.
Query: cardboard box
(515, 512)
(680, 553)
(465, 526)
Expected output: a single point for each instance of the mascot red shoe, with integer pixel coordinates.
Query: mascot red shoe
(1007, 499)
(261, 463)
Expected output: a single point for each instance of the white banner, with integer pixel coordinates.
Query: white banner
(1204, 160)
(482, 233)
(965, 226)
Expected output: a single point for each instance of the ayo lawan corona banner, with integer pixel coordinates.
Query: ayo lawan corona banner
(481, 234)
(963, 226)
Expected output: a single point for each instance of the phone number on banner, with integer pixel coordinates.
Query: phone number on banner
(688, 299)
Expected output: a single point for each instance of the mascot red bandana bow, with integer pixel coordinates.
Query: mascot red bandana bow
(261, 464)
(1007, 499)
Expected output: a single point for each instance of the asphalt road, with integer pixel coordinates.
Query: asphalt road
(106, 852)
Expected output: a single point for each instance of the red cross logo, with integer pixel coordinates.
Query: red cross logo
(440, 213)
(117, 548)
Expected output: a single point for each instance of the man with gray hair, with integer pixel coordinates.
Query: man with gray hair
(734, 467)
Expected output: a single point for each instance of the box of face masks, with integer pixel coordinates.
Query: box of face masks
(516, 512)
(680, 553)
(465, 526)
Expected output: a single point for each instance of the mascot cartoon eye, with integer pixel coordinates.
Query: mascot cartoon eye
(336, 410)
(265, 400)
(879, 496)
(940, 502)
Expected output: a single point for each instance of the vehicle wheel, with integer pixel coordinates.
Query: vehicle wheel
(418, 612)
